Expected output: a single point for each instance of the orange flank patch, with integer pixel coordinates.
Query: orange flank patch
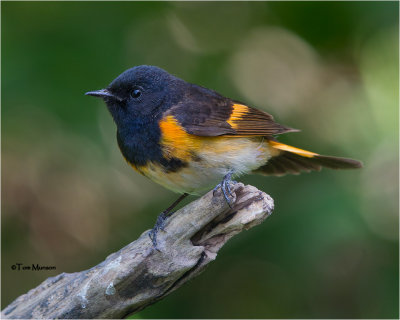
(175, 141)
(239, 110)
(285, 147)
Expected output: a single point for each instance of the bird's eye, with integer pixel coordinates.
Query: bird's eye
(136, 93)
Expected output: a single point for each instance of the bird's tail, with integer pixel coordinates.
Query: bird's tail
(286, 159)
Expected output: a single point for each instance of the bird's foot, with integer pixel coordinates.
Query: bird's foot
(160, 224)
(225, 186)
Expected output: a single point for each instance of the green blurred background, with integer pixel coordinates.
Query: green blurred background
(330, 250)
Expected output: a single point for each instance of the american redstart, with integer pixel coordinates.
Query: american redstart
(187, 137)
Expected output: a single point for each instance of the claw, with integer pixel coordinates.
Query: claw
(160, 225)
(226, 188)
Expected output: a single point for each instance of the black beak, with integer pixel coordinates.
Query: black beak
(102, 93)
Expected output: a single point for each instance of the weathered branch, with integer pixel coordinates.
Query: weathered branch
(138, 275)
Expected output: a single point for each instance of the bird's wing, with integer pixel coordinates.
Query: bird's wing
(213, 115)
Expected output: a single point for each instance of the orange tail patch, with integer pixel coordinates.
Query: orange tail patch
(285, 147)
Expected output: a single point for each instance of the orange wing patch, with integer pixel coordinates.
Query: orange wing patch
(248, 121)
(239, 110)
(285, 147)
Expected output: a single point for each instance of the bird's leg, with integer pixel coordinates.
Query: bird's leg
(160, 223)
(226, 187)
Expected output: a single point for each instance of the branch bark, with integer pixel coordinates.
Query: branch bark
(138, 275)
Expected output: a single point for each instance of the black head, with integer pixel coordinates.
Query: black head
(141, 92)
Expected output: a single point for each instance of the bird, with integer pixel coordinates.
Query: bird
(188, 138)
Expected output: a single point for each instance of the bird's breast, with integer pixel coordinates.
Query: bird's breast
(141, 143)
